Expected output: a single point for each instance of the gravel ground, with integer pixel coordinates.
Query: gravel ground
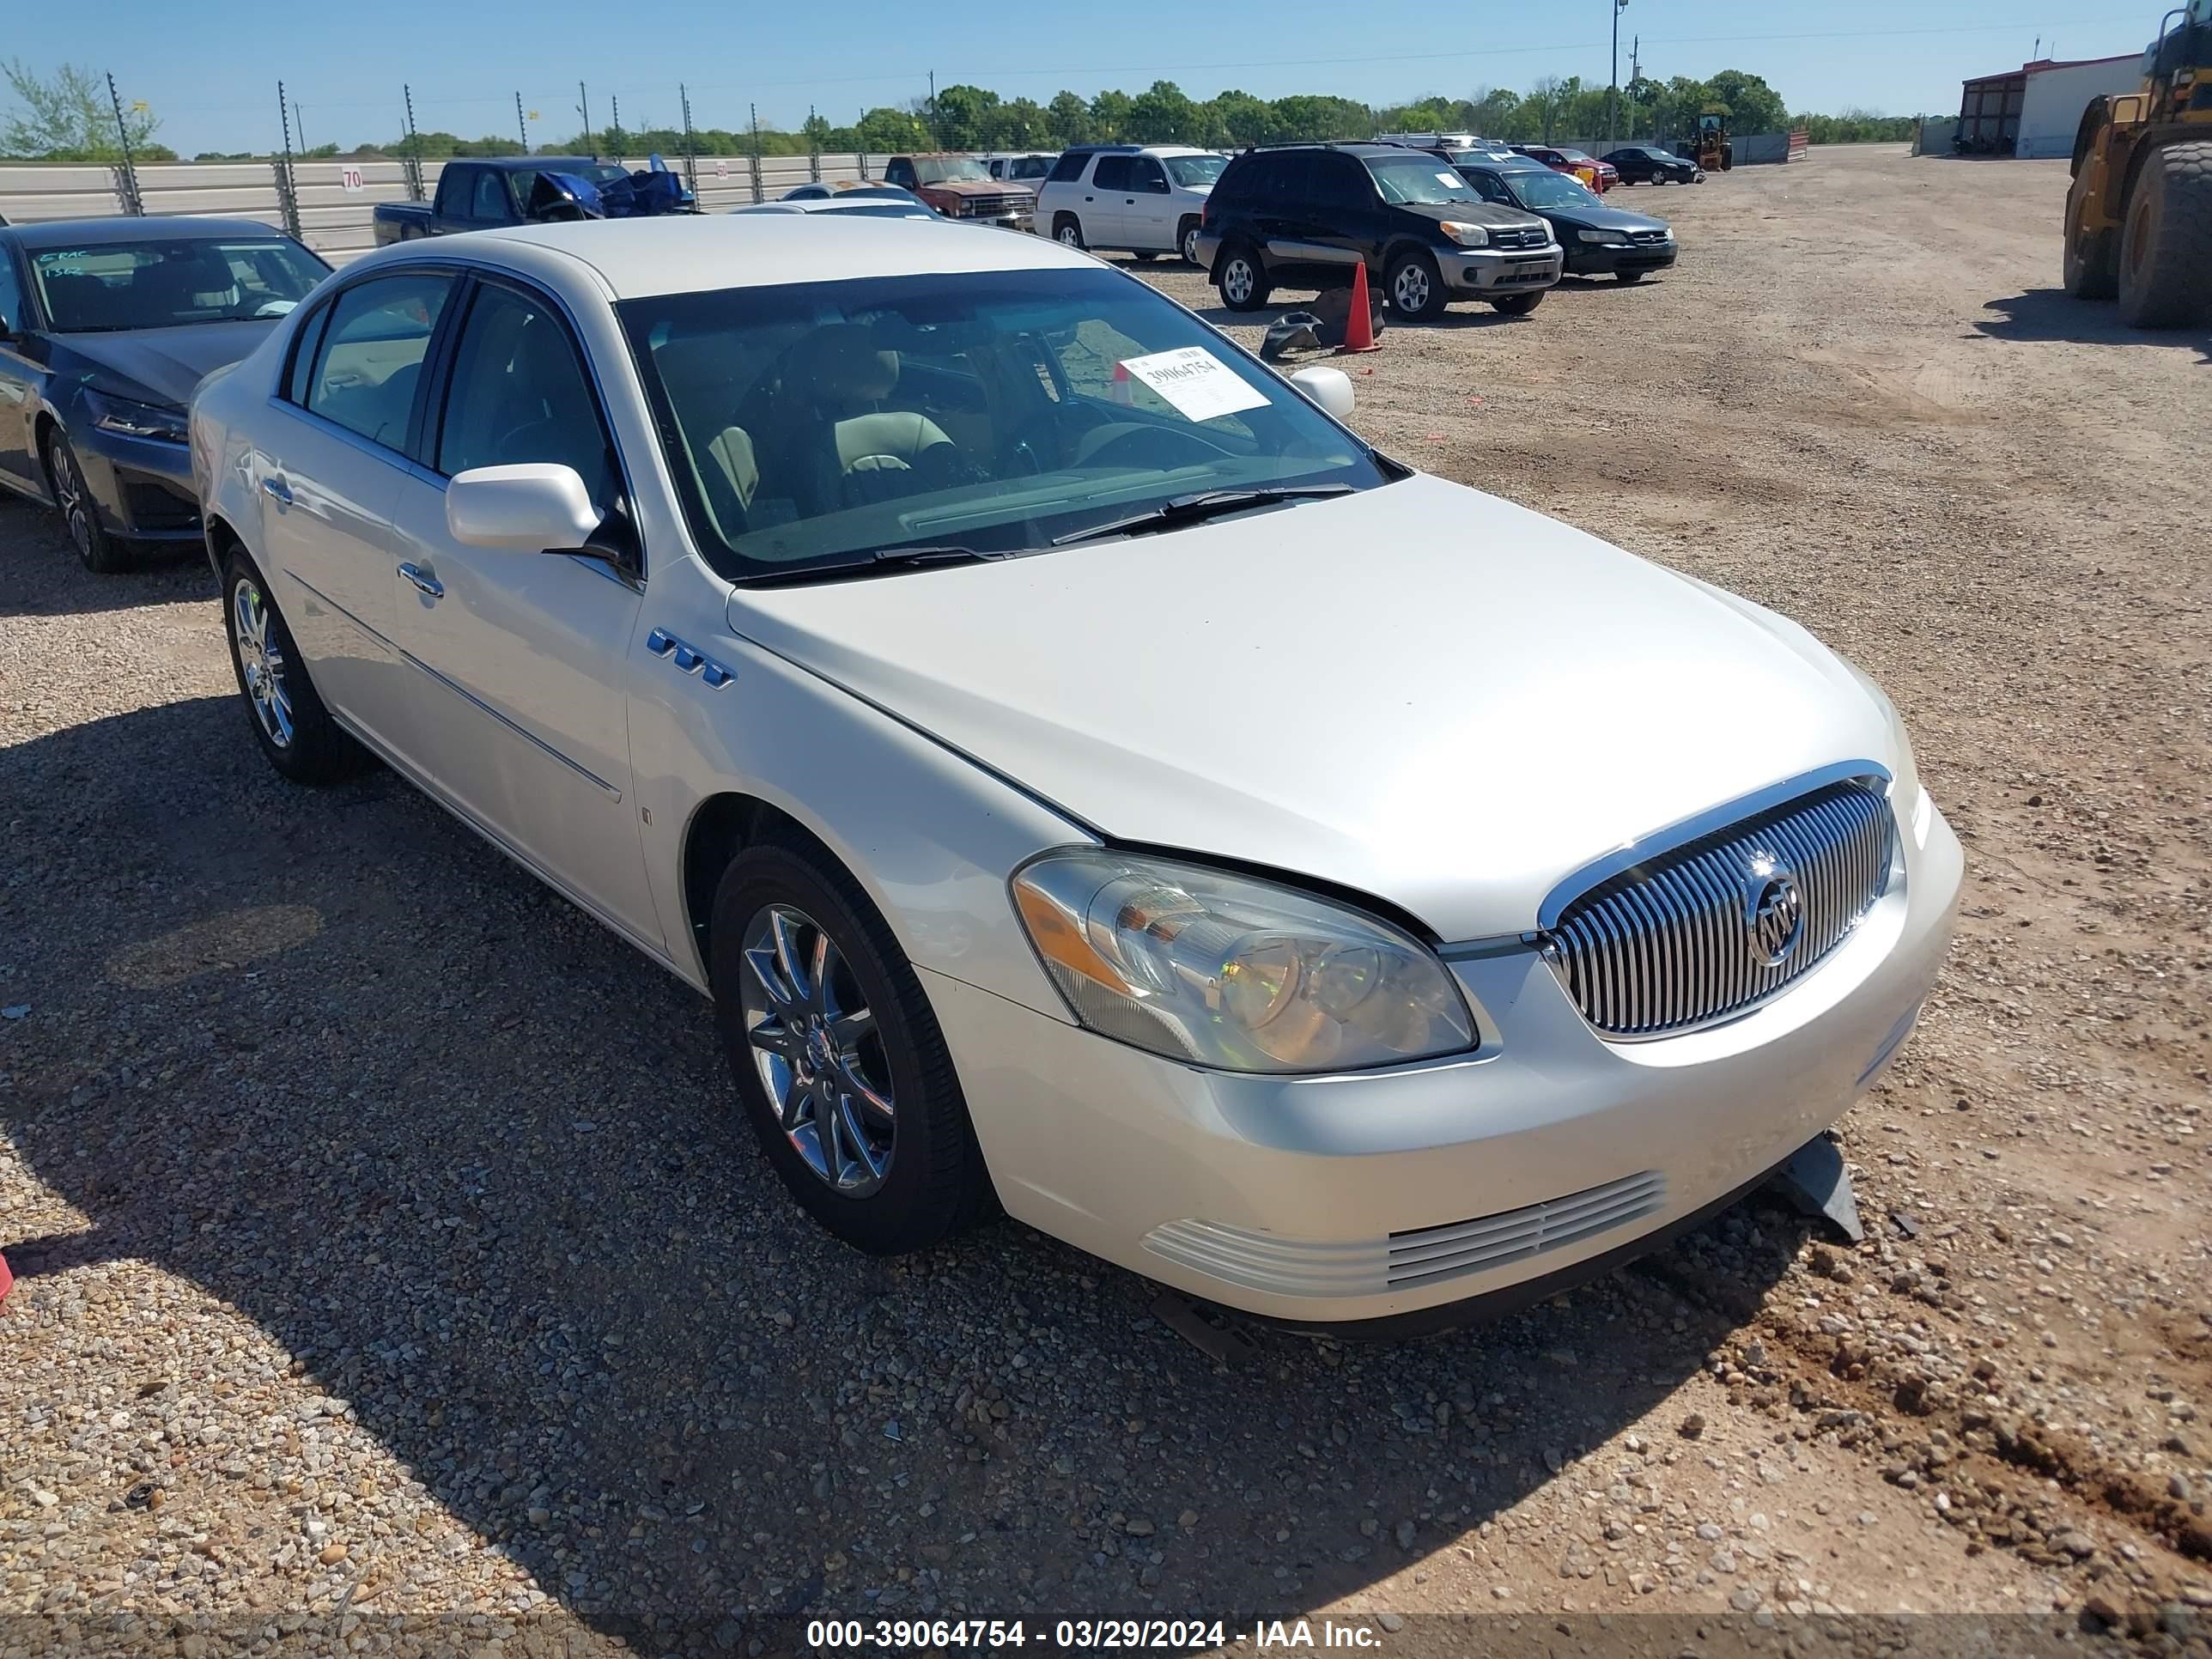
(391, 1260)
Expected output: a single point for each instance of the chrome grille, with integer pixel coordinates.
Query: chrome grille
(1520, 236)
(992, 206)
(1668, 944)
(1490, 1241)
(1647, 236)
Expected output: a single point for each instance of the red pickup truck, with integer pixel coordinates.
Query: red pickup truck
(962, 187)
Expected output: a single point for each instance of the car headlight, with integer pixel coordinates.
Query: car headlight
(1608, 238)
(1466, 235)
(1231, 972)
(135, 420)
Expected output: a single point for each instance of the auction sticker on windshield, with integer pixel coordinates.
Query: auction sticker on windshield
(1198, 383)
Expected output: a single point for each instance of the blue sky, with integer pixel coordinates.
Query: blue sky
(215, 86)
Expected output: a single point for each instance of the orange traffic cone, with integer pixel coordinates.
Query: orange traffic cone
(1359, 326)
(7, 1280)
(1123, 392)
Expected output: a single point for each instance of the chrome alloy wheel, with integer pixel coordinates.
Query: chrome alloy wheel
(1410, 291)
(818, 1053)
(74, 500)
(1238, 281)
(1070, 235)
(1190, 245)
(261, 662)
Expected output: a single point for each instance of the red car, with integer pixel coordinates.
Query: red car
(1573, 161)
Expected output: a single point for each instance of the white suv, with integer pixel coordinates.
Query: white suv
(1147, 198)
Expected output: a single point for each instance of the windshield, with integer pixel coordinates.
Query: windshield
(1419, 178)
(1191, 170)
(938, 170)
(124, 285)
(820, 422)
(1578, 155)
(1540, 188)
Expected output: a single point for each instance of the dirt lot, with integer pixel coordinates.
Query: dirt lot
(391, 1260)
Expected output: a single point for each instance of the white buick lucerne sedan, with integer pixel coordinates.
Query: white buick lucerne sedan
(1088, 779)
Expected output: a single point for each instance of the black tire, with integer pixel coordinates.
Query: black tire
(1414, 288)
(1186, 241)
(99, 552)
(1067, 231)
(1627, 277)
(315, 749)
(1520, 305)
(1143, 256)
(2166, 240)
(1239, 271)
(2091, 264)
(934, 1182)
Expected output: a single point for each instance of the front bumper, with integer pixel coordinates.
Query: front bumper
(1385, 1195)
(1209, 245)
(1596, 260)
(1500, 270)
(1024, 221)
(143, 487)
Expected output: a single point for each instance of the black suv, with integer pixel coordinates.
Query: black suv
(1301, 216)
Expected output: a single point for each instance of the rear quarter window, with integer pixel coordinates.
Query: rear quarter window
(1069, 168)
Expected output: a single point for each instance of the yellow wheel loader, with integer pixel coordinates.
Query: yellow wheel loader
(2139, 216)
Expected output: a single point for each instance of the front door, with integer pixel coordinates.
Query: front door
(519, 712)
(325, 477)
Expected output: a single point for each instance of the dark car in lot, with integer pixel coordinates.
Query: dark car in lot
(1597, 240)
(489, 193)
(1647, 164)
(106, 326)
(1301, 216)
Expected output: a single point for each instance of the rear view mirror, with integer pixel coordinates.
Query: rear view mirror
(1330, 388)
(535, 508)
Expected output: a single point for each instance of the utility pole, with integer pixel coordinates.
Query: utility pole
(131, 203)
(690, 165)
(614, 132)
(936, 137)
(584, 109)
(1612, 94)
(1635, 76)
(288, 186)
(521, 125)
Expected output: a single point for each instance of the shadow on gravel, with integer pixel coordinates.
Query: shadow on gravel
(474, 1164)
(40, 576)
(2051, 313)
(1472, 315)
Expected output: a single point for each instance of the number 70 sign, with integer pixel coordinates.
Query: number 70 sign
(350, 179)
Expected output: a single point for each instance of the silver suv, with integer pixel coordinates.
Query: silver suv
(1145, 198)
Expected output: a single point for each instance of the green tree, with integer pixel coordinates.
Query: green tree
(1242, 119)
(963, 117)
(1548, 101)
(1067, 120)
(1498, 113)
(1161, 114)
(1753, 106)
(1019, 123)
(1110, 116)
(67, 117)
(884, 132)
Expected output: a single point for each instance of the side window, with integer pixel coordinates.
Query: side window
(1487, 185)
(11, 293)
(901, 172)
(1148, 176)
(1113, 173)
(1339, 182)
(488, 202)
(1290, 180)
(520, 394)
(306, 342)
(452, 192)
(371, 356)
(1069, 168)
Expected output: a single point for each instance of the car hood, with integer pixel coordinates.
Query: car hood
(156, 365)
(1419, 691)
(980, 186)
(1598, 216)
(1470, 213)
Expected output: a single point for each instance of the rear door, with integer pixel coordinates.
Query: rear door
(1104, 210)
(518, 709)
(329, 461)
(1150, 209)
(1345, 225)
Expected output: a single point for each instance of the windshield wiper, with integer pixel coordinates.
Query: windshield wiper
(883, 559)
(1206, 504)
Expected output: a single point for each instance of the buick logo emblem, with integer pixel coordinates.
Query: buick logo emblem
(1774, 910)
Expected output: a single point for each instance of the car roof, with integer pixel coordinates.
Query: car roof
(532, 163)
(106, 232)
(687, 253)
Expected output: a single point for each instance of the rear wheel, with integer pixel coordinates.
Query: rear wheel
(1141, 255)
(1519, 305)
(1067, 231)
(293, 728)
(2165, 243)
(1186, 241)
(838, 1056)
(1415, 289)
(2092, 259)
(1242, 279)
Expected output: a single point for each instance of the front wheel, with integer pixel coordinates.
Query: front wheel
(1067, 231)
(1519, 305)
(289, 721)
(1242, 279)
(1415, 288)
(1143, 256)
(96, 549)
(2165, 244)
(2091, 262)
(838, 1056)
(1626, 276)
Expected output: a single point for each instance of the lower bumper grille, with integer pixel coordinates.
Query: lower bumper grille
(1490, 1240)
(1711, 928)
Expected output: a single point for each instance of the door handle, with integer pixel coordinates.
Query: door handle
(425, 584)
(278, 490)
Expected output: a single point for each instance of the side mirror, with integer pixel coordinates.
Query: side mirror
(535, 508)
(1330, 388)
